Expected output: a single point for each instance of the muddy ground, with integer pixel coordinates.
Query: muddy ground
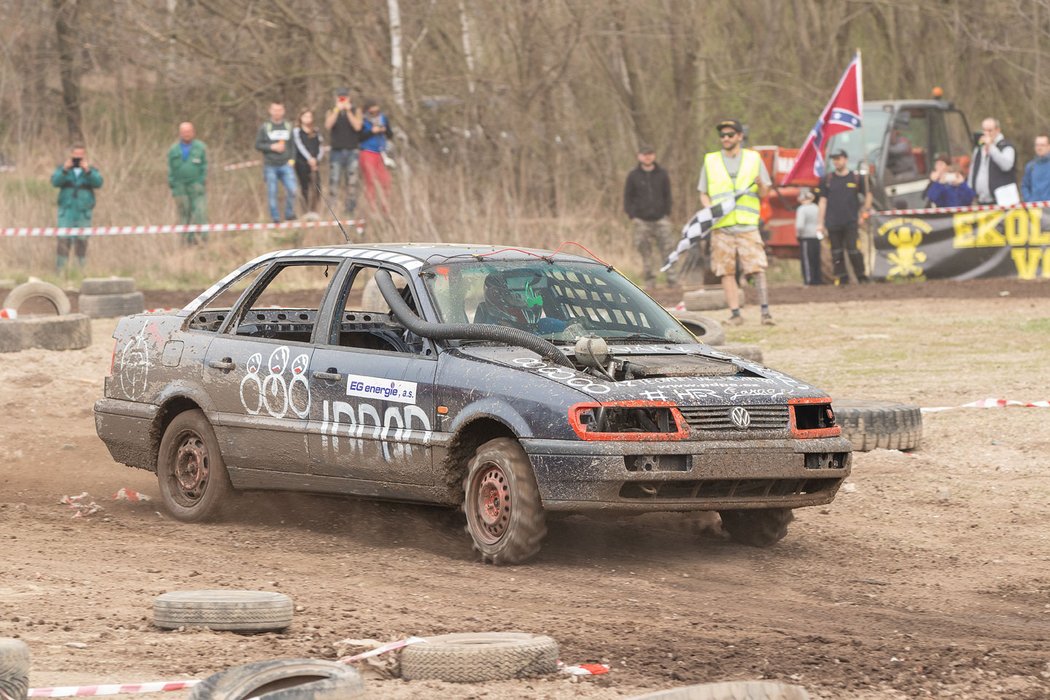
(929, 576)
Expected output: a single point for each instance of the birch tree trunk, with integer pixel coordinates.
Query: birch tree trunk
(397, 72)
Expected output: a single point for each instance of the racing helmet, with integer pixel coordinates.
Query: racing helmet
(516, 295)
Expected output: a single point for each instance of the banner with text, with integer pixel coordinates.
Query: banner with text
(962, 243)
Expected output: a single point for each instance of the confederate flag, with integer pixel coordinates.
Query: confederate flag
(842, 113)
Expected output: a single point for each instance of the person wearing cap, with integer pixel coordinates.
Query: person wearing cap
(839, 195)
(993, 167)
(736, 173)
(344, 121)
(647, 201)
(808, 237)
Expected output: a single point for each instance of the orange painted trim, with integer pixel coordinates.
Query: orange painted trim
(812, 433)
(681, 434)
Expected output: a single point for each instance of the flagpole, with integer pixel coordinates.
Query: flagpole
(867, 165)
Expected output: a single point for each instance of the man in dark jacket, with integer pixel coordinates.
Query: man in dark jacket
(274, 142)
(647, 201)
(76, 180)
(187, 172)
(993, 168)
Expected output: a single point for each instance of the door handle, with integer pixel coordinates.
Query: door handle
(332, 375)
(225, 364)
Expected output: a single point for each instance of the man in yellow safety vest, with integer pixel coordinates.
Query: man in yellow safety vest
(736, 173)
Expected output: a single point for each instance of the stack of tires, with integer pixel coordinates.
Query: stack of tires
(21, 331)
(110, 297)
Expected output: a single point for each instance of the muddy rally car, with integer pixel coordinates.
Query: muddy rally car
(507, 382)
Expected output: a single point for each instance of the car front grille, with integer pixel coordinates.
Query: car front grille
(719, 418)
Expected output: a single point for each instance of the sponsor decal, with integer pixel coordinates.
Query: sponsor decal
(379, 388)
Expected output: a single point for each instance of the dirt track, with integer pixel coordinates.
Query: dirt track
(929, 576)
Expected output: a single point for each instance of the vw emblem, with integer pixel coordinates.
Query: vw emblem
(740, 417)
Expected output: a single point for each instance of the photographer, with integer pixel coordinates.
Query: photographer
(993, 167)
(343, 122)
(77, 181)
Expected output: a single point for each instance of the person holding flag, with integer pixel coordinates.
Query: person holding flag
(736, 173)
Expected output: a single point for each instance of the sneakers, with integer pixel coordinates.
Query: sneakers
(767, 320)
(736, 320)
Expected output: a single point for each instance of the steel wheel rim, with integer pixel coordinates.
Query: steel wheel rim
(189, 477)
(491, 503)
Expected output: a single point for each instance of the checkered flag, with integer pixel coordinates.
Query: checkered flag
(698, 228)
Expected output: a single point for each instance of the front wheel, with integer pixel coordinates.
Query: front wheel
(757, 528)
(502, 503)
(192, 474)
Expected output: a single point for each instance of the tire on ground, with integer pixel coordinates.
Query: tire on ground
(69, 332)
(762, 527)
(107, 285)
(233, 610)
(705, 299)
(283, 679)
(879, 424)
(45, 290)
(111, 305)
(14, 668)
(747, 351)
(475, 658)
(705, 328)
(731, 690)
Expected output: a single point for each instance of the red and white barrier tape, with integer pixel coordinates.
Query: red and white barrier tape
(392, 646)
(46, 231)
(81, 691)
(9, 313)
(973, 207)
(591, 669)
(990, 403)
(240, 166)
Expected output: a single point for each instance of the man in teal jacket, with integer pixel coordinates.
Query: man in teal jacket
(77, 181)
(187, 172)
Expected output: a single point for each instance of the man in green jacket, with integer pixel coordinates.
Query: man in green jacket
(187, 172)
(76, 180)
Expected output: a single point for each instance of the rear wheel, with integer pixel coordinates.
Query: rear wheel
(502, 503)
(192, 474)
(757, 528)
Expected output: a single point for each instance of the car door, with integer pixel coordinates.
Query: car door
(374, 382)
(257, 368)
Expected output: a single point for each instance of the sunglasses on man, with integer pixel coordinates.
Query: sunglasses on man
(727, 134)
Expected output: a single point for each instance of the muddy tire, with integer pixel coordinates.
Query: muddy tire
(111, 305)
(879, 424)
(475, 658)
(505, 516)
(706, 329)
(747, 351)
(194, 484)
(283, 679)
(731, 690)
(233, 610)
(69, 332)
(758, 527)
(44, 290)
(14, 668)
(107, 285)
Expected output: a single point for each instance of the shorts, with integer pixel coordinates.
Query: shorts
(725, 247)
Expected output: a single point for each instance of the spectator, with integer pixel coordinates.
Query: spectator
(647, 201)
(308, 154)
(736, 173)
(76, 180)
(344, 122)
(947, 186)
(1035, 187)
(839, 194)
(375, 133)
(900, 152)
(809, 238)
(187, 173)
(993, 168)
(278, 161)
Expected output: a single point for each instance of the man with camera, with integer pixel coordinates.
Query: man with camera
(344, 122)
(76, 180)
(993, 167)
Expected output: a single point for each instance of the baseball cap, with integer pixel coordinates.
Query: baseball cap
(342, 92)
(733, 124)
(645, 149)
(840, 153)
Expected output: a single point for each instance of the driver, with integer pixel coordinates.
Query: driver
(516, 301)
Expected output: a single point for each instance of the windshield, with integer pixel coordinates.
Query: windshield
(872, 132)
(559, 301)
